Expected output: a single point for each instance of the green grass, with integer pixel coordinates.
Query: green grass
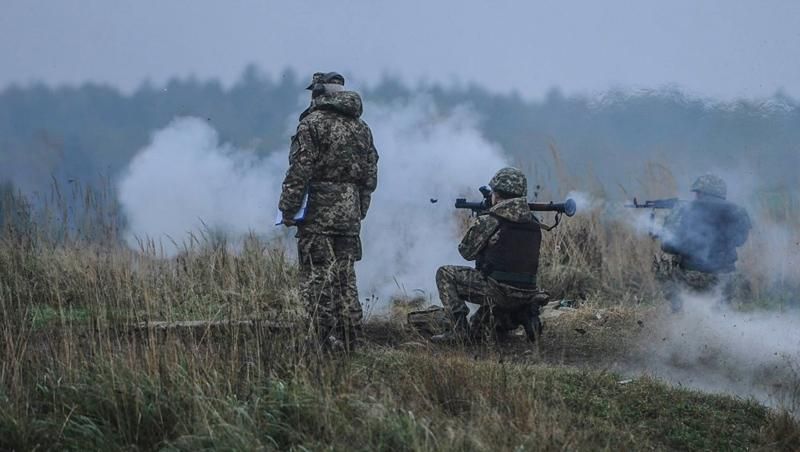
(382, 399)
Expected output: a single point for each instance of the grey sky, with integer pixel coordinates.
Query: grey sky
(720, 49)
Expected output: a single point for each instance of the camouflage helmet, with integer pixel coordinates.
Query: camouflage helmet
(510, 181)
(710, 184)
(325, 78)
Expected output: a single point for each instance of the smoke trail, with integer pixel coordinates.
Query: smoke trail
(185, 179)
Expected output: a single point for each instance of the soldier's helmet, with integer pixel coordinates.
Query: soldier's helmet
(712, 185)
(326, 78)
(510, 181)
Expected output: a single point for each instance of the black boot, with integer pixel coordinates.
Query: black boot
(459, 332)
(481, 324)
(532, 323)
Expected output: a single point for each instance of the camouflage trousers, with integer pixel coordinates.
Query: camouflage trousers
(328, 284)
(458, 284)
(674, 280)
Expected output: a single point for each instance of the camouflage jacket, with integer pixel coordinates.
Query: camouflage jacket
(483, 229)
(332, 156)
(704, 234)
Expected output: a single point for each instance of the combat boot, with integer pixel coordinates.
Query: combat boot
(458, 334)
(532, 323)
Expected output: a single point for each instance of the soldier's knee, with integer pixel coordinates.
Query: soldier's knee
(444, 273)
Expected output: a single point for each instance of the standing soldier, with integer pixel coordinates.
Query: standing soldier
(505, 244)
(700, 238)
(332, 162)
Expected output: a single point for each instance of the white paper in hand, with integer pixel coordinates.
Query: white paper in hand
(299, 216)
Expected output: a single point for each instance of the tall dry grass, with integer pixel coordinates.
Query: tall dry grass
(606, 254)
(79, 371)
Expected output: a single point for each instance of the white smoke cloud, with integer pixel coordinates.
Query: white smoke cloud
(185, 180)
(424, 156)
(773, 248)
(710, 347)
(774, 253)
(585, 202)
(645, 222)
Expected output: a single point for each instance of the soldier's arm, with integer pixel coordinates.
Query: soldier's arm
(668, 246)
(371, 179)
(743, 226)
(670, 231)
(302, 155)
(477, 236)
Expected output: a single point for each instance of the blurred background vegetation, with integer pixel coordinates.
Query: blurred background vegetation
(91, 132)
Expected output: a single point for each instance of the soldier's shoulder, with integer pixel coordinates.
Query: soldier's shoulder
(485, 222)
(734, 208)
(314, 123)
(740, 209)
(742, 214)
(363, 123)
(317, 116)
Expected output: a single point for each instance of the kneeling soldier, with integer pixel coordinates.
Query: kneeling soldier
(505, 244)
(700, 239)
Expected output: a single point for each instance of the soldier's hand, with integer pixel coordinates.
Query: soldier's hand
(289, 222)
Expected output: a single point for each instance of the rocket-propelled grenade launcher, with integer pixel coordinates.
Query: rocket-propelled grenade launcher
(482, 207)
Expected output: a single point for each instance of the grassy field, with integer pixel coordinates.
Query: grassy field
(251, 388)
(78, 371)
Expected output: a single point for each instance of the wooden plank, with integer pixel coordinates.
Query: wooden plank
(163, 325)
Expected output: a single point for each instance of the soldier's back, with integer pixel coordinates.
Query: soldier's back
(706, 233)
(345, 167)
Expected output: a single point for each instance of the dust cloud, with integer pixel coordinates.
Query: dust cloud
(710, 347)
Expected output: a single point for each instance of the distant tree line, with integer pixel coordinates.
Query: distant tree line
(92, 131)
